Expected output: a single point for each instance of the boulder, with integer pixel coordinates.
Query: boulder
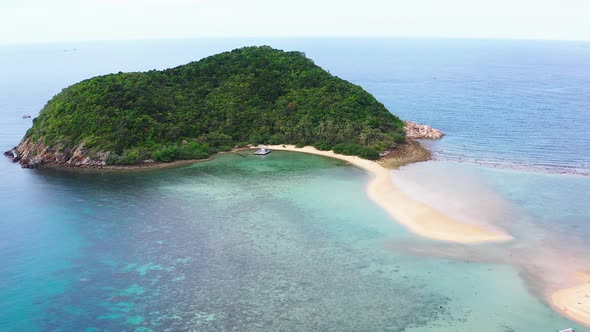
(419, 131)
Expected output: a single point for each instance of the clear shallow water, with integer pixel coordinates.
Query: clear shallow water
(290, 242)
(547, 214)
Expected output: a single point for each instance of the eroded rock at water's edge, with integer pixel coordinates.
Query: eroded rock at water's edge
(250, 95)
(32, 155)
(419, 131)
(12, 155)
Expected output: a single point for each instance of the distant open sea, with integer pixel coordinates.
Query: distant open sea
(289, 241)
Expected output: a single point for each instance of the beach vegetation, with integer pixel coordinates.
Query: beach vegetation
(255, 95)
(352, 149)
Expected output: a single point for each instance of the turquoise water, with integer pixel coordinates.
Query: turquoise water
(286, 242)
(290, 241)
(547, 214)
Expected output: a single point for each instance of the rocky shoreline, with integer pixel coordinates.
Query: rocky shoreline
(415, 130)
(33, 155)
(405, 154)
(30, 155)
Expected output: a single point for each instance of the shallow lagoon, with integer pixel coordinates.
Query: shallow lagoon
(291, 242)
(283, 242)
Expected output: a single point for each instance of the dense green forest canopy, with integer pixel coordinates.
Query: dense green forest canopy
(256, 95)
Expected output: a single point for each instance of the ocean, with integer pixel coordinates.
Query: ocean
(289, 241)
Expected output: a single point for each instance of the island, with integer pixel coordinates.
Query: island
(248, 96)
(242, 98)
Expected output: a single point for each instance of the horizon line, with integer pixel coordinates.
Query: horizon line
(61, 42)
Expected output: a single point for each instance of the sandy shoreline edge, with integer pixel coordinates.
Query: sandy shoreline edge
(425, 221)
(574, 302)
(417, 217)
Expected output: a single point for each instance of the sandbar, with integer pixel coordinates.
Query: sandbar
(574, 302)
(415, 216)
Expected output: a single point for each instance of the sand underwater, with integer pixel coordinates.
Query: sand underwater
(285, 242)
(292, 241)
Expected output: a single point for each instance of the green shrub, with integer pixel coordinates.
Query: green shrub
(166, 154)
(241, 144)
(357, 150)
(193, 150)
(347, 149)
(275, 139)
(300, 145)
(256, 139)
(129, 157)
(399, 138)
(112, 159)
(323, 146)
(217, 139)
(368, 153)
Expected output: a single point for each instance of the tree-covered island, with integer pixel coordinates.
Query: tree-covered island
(252, 95)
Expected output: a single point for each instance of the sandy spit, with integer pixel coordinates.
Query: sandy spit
(574, 302)
(417, 217)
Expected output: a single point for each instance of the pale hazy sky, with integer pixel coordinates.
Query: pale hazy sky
(26, 21)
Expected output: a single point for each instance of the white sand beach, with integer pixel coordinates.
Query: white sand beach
(574, 302)
(417, 217)
(423, 220)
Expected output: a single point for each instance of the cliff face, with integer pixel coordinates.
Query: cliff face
(32, 155)
(419, 131)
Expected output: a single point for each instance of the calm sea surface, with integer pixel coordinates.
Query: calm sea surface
(290, 241)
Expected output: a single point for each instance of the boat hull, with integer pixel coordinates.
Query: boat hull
(260, 153)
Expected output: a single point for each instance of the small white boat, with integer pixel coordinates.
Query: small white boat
(262, 151)
(568, 330)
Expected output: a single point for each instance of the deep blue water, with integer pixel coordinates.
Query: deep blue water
(516, 103)
(211, 247)
(522, 104)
